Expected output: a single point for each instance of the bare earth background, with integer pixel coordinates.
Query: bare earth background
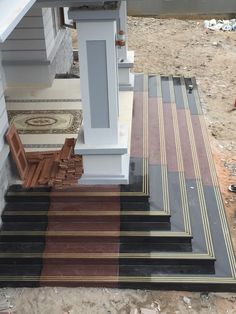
(166, 47)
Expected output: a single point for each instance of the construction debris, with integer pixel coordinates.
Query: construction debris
(59, 169)
(224, 25)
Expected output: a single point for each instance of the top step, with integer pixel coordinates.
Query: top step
(16, 193)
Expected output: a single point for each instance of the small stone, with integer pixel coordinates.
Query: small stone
(148, 311)
(187, 301)
(157, 305)
(134, 311)
(215, 43)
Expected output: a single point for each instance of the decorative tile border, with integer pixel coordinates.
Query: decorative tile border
(43, 145)
(41, 100)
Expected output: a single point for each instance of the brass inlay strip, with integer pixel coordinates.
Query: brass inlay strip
(75, 194)
(184, 93)
(164, 176)
(178, 279)
(91, 233)
(197, 101)
(182, 182)
(224, 224)
(86, 213)
(122, 279)
(201, 196)
(197, 172)
(104, 255)
(145, 135)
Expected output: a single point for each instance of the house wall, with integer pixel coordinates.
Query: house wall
(180, 7)
(32, 53)
(5, 165)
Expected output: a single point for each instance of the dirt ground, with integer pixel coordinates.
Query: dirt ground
(166, 47)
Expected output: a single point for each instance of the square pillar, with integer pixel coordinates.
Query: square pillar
(102, 141)
(125, 57)
(99, 81)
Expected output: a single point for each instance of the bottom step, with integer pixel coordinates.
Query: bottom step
(181, 283)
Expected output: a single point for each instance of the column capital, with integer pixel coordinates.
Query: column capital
(106, 11)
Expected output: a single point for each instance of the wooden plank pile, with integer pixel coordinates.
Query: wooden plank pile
(59, 169)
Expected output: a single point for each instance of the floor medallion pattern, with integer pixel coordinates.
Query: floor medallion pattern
(46, 121)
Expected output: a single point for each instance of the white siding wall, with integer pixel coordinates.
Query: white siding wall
(34, 37)
(3, 125)
(27, 42)
(6, 176)
(31, 55)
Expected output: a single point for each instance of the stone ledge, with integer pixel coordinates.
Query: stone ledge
(129, 62)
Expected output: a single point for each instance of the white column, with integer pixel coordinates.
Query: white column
(98, 70)
(102, 141)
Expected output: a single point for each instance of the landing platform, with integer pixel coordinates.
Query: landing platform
(167, 229)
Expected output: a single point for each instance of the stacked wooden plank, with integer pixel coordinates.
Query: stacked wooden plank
(59, 169)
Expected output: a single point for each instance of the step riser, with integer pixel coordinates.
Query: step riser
(170, 244)
(76, 218)
(143, 270)
(125, 226)
(21, 284)
(144, 226)
(24, 199)
(124, 285)
(134, 205)
(177, 286)
(154, 247)
(157, 265)
(29, 206)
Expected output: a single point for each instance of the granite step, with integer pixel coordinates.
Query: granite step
(14, 214)
(130, 264)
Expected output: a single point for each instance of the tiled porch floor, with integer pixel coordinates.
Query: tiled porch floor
(61, 101)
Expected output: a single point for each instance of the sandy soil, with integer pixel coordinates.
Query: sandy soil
(166, 47)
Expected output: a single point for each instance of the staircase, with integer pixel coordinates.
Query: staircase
(66, 241)
(165, 230)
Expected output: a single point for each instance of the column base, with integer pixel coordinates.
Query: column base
(126, 79)
(122, 178)
(104, 164)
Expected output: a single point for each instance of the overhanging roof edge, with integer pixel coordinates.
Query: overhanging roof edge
(11, 12)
